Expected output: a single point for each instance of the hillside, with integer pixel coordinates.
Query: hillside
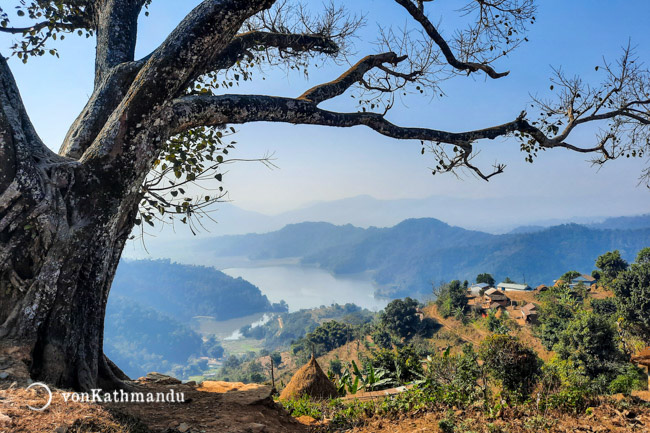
(407, 258)
(185, 291)
(147, 326)
(140, 339)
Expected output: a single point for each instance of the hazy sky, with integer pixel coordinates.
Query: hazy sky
(317, 164)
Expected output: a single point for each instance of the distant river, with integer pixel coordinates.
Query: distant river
(309, 287)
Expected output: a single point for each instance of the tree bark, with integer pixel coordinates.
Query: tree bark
(59, 257)
(62, 230)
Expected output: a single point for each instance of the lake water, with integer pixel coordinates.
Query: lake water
(310, 287)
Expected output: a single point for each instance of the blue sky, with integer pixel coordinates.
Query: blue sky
(320, 164)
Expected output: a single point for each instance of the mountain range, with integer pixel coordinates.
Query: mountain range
(408, 258)
(488, 214)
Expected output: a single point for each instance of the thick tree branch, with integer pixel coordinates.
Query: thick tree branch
(21, 149)
(242, 45)
(201, 110)
(353, 75)
(15, 125)
(169, 70)
(104, 100)
(418, 14)
(117, 29)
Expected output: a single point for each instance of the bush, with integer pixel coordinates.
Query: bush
(382, 338)
(453, 379)
(303, 406)
(400, 318)
(451, 299)
(589, 340)
(565, 386)
(495, 324)
(630, 379)
(513, 365)
(402, 364)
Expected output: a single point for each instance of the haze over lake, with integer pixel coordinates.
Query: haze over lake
(309, 287)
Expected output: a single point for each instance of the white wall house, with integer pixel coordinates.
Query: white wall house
(512, 286)
(475, 289)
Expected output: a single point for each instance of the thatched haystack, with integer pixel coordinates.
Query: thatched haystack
(309, 380)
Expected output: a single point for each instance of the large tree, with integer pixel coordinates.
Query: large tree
(154, 124)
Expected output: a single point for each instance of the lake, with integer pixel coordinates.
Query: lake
(310, 287)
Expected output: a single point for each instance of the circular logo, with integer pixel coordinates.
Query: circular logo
(49, 393)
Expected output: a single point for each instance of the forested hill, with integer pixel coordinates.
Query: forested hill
(408, 257)
(184, 291)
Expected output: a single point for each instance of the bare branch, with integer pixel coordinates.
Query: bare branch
(194, 110)
(418, 14)
(353, 75)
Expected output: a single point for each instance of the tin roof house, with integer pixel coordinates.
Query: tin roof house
(513, 286)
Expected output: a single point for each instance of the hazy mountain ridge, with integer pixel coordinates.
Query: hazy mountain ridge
(286, 242)
(407, 258)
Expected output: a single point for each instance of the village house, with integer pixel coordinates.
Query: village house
(475, 289)
(493, 299)
(529, 313)
(586, 280)
(513, 286)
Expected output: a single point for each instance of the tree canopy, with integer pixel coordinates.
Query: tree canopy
(632, 290)
(611, 264)
(399, 318)
(485, 278)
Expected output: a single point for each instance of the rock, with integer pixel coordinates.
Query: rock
(162, 379)
(255, 428)
(3, 375)
(183, 427)
(4, 420)
(61, 429)
(307, 420)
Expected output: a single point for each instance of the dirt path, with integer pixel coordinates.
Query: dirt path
(214, 408)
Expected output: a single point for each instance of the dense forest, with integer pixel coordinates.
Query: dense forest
(142, 339)
(184, 291)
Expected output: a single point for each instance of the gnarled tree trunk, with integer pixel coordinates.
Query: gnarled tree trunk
(62, 231)
(64, 218)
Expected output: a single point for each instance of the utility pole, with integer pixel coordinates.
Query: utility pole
(273, 390)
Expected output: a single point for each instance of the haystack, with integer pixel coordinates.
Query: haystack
(309, 380)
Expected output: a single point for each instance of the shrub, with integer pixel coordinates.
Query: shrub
(400, 318)
(513, 365)
(564, 386)
(451, 299)
(303, 406)
(453, 379)
(630, 378)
